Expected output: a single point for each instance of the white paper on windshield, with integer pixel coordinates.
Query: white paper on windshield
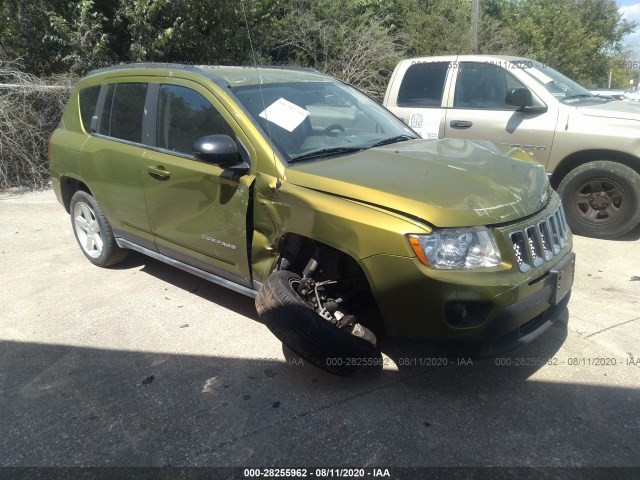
(425, 123)
(285, 114)
(540, 75)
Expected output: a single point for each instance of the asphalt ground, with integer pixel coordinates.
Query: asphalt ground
(143, 365)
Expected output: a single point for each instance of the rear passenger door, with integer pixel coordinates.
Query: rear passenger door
(197, 211)
(115, 150)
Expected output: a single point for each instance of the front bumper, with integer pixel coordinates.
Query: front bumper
(413, 301)
(507, 331)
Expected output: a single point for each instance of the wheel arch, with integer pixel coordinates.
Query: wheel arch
(69, 186)
(295, 250)
(585, 156)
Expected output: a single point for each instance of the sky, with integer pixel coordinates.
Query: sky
(630, 10)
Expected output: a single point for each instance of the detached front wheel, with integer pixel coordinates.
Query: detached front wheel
(601, 199)
(296, 323)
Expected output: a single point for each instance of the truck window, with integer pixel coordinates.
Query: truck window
(483, 86)
(423, 85)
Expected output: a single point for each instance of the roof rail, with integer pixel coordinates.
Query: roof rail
(142, 65)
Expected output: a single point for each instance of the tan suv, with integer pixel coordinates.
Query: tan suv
(590, 145)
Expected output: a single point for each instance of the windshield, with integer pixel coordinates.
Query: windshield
(318, 119)
(561, 87)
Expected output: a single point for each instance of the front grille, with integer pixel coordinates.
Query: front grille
(538, 243)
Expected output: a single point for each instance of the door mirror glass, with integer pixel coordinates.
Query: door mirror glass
(216, 149)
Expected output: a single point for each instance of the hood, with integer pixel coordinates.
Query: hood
(617, 109)
(446, 183)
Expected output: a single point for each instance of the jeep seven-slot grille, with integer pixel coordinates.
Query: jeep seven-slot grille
(538, 243)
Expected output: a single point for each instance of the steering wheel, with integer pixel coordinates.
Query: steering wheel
(335, 126)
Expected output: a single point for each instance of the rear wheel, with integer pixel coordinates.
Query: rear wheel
(93, 231)
(317, 332)
(601, 199)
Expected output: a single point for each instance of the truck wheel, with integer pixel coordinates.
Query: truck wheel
(601, 199)
(93, 231)
(305, 332)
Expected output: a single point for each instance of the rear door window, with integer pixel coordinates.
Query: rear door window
(423, 85)
(123, 111)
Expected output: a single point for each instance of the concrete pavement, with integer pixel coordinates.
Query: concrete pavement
(145, 365)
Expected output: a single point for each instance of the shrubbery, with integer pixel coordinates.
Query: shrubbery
(30, 109)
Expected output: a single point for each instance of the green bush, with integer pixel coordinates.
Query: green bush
(30, 109)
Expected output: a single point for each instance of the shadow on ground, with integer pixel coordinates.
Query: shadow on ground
(69, 406)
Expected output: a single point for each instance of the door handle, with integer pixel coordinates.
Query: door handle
(460, 124)
(159, 172)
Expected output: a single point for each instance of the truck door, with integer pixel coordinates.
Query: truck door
(478, 111)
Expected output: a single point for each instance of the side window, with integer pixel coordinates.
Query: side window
(483, 86)
(184, 116)
(105, 118)
(127, 111)
(88, 100)
(423, 85)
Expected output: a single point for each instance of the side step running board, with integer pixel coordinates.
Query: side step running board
(122, 243)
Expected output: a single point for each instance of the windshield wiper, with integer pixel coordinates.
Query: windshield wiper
(387, 141)
(325, 152)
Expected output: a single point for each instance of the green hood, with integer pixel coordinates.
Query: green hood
(447, 183)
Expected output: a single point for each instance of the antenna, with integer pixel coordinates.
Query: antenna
(255, 63)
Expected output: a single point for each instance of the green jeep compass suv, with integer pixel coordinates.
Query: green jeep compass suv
(296, 189)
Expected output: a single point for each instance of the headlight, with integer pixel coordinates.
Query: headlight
(453, 248)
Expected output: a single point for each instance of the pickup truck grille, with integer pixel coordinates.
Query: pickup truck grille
(538, 243)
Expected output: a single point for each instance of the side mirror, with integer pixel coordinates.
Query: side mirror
(220, 150)
(519, 97)
(216, 149)
(522, 98)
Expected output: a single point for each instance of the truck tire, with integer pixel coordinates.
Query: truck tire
(601, 199)
(298, 326)
(93, 231)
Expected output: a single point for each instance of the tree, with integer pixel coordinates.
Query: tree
(577, 37)
(330, 36)
(83, 42)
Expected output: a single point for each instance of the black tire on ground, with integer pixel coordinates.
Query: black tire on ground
(601, 199)
(306, 333)
(93, 231)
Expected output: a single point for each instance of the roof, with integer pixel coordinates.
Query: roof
(232, 76)
(478, 58)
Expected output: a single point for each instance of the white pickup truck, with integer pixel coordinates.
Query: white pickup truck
(589, 145)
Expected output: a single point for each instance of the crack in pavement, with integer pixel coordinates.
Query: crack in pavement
(612, 326)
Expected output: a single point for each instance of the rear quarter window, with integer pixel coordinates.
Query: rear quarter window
(88, 99)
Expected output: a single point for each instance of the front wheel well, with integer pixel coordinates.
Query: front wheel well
(579, 158)
(68, 187)
(295, 253)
